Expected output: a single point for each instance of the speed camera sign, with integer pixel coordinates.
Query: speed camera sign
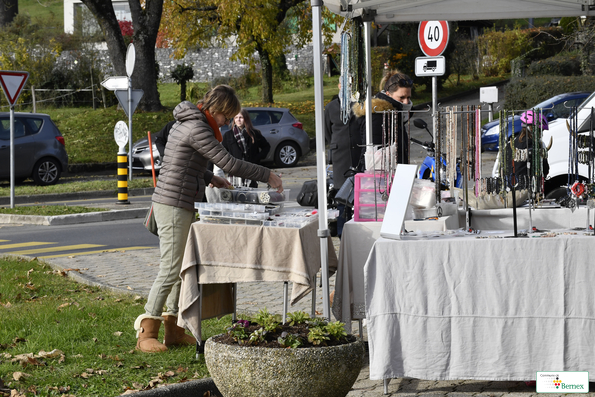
(433, 37)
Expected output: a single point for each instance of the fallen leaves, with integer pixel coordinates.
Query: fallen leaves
(20, 375)
(33, 359)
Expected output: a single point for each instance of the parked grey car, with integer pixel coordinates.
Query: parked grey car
(39, 148)
(288, 140)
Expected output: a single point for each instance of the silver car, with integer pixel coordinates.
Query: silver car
(38, 148)
(288, 140)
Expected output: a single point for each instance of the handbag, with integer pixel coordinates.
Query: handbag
(345, 195)
(308, 195)
(150, 222)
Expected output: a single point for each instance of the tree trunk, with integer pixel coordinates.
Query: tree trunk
(182, 90)
(8, 11)
(146, 25)
(267, 75)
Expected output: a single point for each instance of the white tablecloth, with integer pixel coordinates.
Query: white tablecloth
(491, 308)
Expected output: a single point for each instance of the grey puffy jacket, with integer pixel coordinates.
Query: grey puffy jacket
(190, 146)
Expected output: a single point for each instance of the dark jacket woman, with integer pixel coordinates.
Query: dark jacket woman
(382, 123)
(255, 152)
(344, 141)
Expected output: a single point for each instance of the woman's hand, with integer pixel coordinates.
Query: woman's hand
(219, 182)
(275, 182)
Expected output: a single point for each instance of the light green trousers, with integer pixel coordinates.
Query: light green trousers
(174, 225)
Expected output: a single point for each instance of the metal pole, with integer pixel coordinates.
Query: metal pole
(323, 231)
(130, 129)
(11, 156)
(435, 111)
(368, 51)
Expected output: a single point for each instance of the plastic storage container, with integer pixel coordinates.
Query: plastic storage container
(368, 203)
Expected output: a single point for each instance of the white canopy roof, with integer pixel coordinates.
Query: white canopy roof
(386, 11)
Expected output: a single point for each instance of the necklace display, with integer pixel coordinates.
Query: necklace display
(346, 78)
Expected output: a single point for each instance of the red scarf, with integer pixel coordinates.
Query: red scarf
(212, 123)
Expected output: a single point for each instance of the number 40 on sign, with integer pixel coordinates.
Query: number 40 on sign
(433, 37)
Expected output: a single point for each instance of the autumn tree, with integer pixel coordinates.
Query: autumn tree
(146, 18)
(265, 27)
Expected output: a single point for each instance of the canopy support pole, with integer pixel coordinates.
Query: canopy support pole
(368, 51)
(323, 231)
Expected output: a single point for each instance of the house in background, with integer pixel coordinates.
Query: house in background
(77, 16)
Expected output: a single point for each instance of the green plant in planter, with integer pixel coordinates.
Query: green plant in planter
(336, 330)
(299, 317)
(318, 336)
(257, 336)
(266, 320)
(237, 332)
(289, 340)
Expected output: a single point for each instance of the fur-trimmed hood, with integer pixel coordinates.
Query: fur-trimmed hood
(380, 103)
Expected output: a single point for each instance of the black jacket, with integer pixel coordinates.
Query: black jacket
(344, 140)
(256, 151)
(380, 103)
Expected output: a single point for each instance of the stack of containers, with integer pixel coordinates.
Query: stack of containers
(369, 205)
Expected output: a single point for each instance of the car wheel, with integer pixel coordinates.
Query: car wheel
(557, 193)
(287, 155)
(46, 172)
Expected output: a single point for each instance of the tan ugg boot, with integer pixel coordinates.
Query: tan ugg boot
(174, 335)
(147, 332)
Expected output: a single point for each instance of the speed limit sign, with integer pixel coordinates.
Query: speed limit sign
(433, 37)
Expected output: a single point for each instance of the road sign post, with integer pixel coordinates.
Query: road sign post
(433, 38)
(12, 84)
(130, 60)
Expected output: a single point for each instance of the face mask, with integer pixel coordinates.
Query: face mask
(406, 107)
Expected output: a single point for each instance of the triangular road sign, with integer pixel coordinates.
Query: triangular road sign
(12, 84)
(122, 96)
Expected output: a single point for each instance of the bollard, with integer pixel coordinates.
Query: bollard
(123, 178)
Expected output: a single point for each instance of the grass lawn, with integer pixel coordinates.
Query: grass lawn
(62, 338)
(72, 185)
(48, 210)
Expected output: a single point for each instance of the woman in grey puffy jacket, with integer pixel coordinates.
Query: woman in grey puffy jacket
(192, 143)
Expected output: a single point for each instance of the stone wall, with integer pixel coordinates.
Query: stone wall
(208, 63)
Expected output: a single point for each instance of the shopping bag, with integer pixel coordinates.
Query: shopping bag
(150, 222)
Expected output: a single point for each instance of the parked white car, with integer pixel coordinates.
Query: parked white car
(557, 179)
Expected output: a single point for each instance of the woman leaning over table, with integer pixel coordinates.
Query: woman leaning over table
(182, 181)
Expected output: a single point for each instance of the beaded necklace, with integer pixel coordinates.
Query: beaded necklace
(345, 91)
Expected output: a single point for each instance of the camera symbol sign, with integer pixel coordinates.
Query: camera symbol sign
(433, 37)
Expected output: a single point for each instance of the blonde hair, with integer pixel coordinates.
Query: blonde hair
(393, 80)
(221, 99)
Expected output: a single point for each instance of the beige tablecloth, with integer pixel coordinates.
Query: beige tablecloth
(237, 253)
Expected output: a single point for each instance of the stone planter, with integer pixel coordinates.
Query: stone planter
(240, 371)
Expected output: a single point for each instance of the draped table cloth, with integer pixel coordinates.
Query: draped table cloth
(218, 254)
(488, 308)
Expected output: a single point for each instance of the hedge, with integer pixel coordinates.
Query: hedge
(522, 93)
(566, 65)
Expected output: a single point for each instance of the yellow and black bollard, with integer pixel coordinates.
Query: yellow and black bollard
(123, 178)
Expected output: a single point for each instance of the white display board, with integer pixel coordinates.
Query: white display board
(398, 201)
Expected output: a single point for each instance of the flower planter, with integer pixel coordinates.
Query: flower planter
(245, 371)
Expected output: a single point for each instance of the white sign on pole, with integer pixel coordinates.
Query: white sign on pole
(130, 59)
(115, 83)
(121, 135)
(433, 37)
(12, 84)
(122, 96)
(430, 66)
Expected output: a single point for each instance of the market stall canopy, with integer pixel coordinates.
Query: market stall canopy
(388, 11)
